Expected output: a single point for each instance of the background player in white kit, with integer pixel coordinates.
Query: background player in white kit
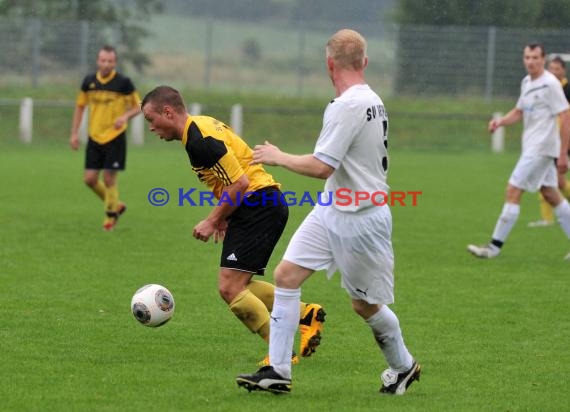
(351, 153)
(544, 148)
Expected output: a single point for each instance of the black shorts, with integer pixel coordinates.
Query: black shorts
(253, 231)
(111, 156)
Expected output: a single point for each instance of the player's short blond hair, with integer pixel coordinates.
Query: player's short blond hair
(347, 48)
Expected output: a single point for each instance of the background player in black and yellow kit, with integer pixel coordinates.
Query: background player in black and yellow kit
(556, 66)
(112, 101)
(250, 230)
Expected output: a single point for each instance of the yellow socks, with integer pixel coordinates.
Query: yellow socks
(99, 190)
(252, 309)
(252, 312)
(265, 293)
(545, 209)
(566, 190)
(111, 199)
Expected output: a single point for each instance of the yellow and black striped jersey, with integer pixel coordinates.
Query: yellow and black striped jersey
(566, 88)
(219, 157)
(107, 98)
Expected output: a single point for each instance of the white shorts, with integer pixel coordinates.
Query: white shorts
(357, 244)
(533, 172)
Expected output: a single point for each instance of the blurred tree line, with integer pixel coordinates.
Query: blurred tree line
(363, 11)
(501, 13)
(504, 13)
(497, 28)
(127, 17)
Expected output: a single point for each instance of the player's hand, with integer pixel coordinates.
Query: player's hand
(204, 230)
(74, 142)
(120, 122)
(220, 232)
(494, 125)
(219, 236)
(267, 154)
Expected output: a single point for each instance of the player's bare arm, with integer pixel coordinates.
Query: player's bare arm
(515, 115)
(76, 123)
(307, 165)
(121, 120)
(215, 224)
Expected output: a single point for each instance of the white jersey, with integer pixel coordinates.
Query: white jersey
(354, 142)
(541, 100)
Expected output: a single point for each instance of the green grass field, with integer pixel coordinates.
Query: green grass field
(491, 335)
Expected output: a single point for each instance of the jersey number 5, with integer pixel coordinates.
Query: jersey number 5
(385, 137)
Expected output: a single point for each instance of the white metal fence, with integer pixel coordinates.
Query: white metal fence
(278, 56)
(273, 57)
(136, 124)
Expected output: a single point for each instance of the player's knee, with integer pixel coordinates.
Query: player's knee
(109, 181)
(226, 294)
(90, 181)
(364, 309)
(232, 282)
(282, 276)
(551, 196)
(290, 276)
(513, 194)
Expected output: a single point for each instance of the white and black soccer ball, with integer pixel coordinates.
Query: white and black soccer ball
(152, 305)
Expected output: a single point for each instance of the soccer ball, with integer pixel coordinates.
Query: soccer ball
(152, 305)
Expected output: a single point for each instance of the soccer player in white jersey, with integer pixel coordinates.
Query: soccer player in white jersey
(351, 237)
(544, 148)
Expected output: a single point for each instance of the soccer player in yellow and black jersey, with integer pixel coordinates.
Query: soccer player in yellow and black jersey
(556, 66)
(112, 101)
(250, 216)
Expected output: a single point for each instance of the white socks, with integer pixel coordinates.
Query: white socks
(563, 213)
(506, 221)
(386, 329)
(284, 320)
